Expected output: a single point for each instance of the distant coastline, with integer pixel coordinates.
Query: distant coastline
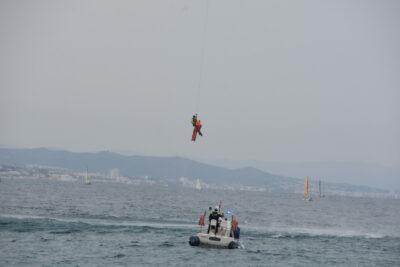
(113, 167)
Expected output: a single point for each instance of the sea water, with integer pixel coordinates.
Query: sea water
(49, 222)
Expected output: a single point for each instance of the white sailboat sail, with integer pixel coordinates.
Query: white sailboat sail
(320, 189)
(87, 178)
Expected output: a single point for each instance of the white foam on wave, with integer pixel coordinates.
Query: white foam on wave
(103, 222)
(276, 231)
(21, 217)
(284, 231)
(159, 225)
(334, 232)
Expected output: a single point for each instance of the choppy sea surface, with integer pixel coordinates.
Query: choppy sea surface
(48, 222)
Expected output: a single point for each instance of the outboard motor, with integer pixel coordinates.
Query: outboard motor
(233, 245)
(194, 240)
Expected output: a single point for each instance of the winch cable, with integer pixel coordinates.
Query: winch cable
(203, 51)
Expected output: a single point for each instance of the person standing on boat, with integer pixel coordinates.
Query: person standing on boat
(215, 215)
(235, 229)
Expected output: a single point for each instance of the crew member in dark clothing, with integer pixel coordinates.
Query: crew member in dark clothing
(215, 215)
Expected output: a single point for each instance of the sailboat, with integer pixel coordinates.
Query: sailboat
(320, 189)
(87, 178)
(307, 192)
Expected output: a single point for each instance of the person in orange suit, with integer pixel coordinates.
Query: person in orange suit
(197, 124)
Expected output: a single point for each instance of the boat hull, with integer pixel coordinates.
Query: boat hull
(213, 240)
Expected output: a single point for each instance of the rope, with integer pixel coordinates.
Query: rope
(203, 48)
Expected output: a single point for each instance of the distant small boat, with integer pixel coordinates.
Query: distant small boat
(307, 191)
(87, 178)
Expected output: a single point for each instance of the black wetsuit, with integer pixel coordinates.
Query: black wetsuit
(214, 216)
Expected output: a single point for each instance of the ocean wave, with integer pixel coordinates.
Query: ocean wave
(27, 223)
(303, 232)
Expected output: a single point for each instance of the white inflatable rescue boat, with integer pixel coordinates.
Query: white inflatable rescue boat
(223, 236)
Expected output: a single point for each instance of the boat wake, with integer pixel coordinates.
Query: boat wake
(30, 223)
(27, 223)
(303, 232)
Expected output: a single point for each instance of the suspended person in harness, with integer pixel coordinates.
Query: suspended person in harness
(197, 124)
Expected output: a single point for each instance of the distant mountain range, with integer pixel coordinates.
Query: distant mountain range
(135, 166)
(165, 168)
(360, 173)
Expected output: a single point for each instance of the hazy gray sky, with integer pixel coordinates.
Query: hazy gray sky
(283, 80)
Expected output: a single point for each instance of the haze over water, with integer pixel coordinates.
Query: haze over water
(48, 222)
(284, 82)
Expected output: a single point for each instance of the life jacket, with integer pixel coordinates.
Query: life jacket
(201, 220)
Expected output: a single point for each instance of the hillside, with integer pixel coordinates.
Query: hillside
(164, 168)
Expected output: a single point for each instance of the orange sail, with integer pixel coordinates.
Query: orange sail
(306, 187)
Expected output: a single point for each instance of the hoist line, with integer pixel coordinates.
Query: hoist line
(203, 48)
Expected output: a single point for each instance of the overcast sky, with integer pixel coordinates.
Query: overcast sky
(282, 80)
